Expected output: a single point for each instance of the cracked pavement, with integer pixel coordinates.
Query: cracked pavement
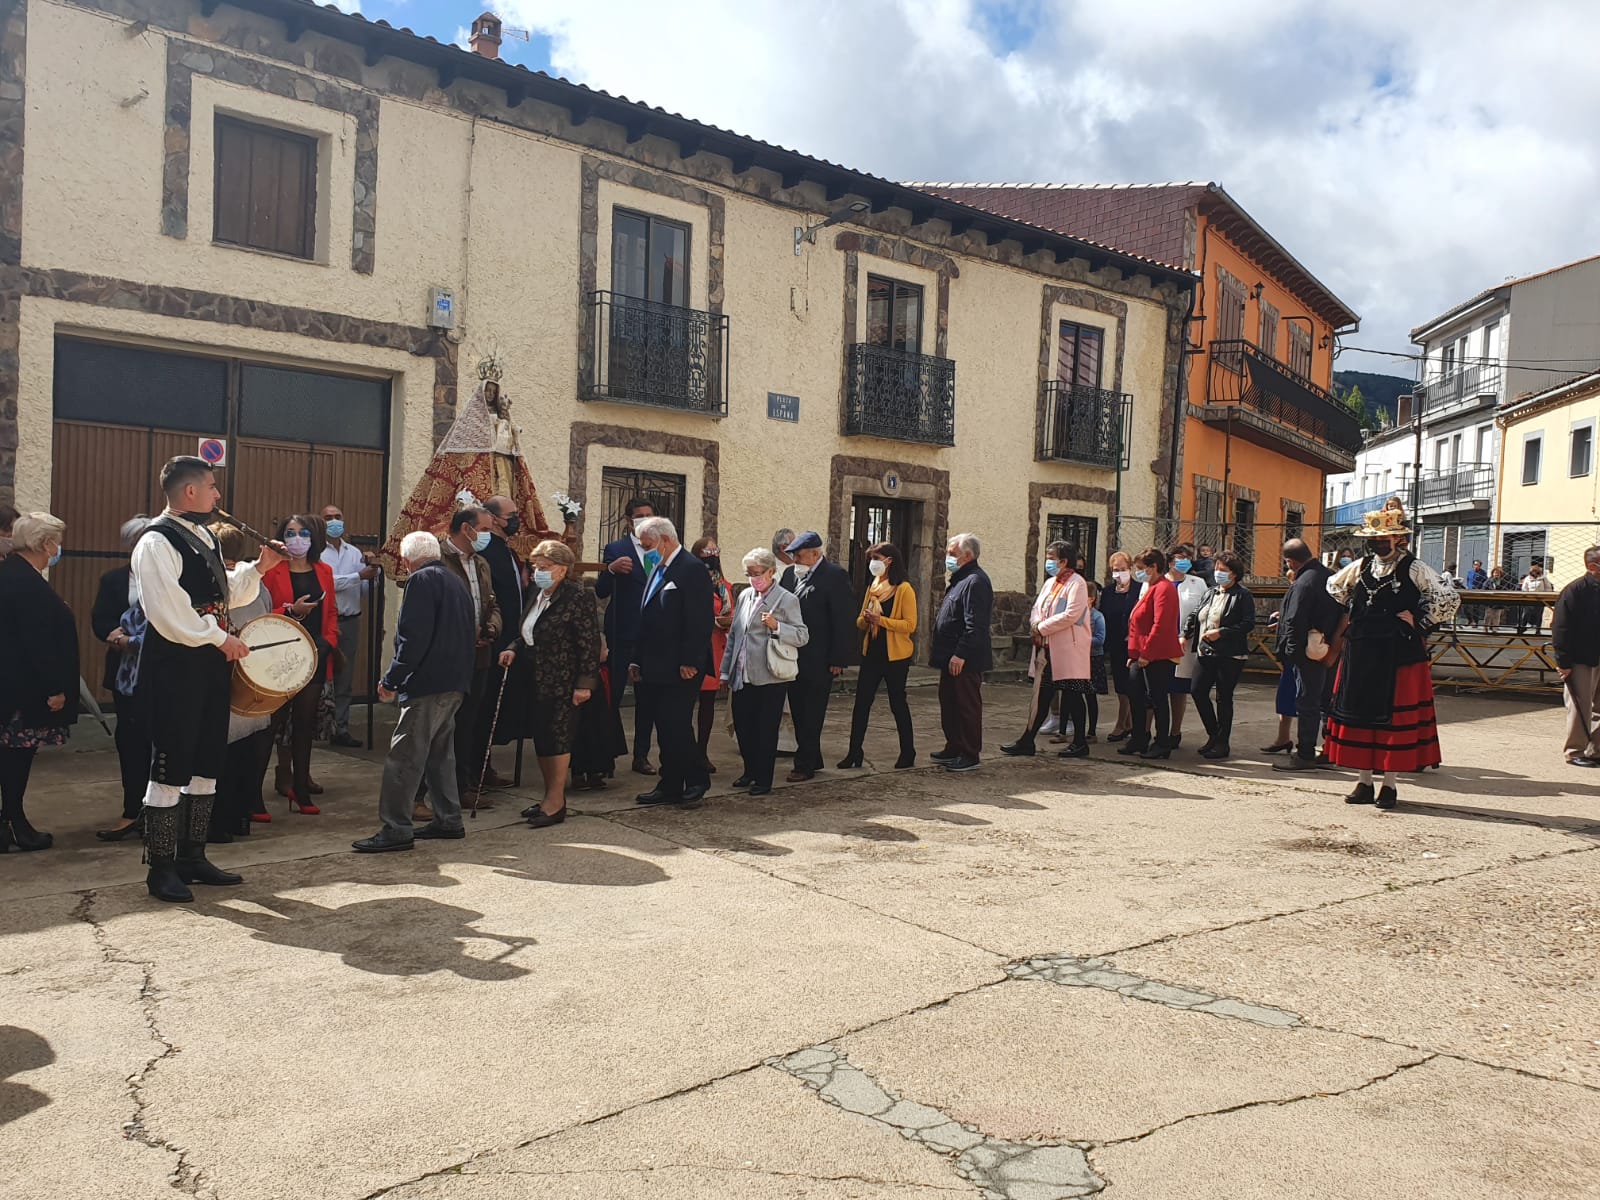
(1038, 982)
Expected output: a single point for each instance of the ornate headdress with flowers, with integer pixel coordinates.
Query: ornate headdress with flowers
(1385, 523)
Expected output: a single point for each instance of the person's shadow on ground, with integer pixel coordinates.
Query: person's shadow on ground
(21, 1050)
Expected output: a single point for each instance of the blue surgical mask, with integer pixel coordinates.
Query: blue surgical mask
(481, 542)
(1345, 560)
(951, 564)
(544, 580)
(336, 529)
(652, 559)
(1223, 578)
(1139, 576)
(54, 558)
(1182, 565)
(1050, 566)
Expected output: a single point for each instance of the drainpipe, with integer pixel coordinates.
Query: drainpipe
(1180, 412)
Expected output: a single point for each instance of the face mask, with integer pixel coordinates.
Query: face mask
(1223, 578)
(950, 564)
(877, 568)
(1345, 560)
(801, 571)
(638, 521)
(481, 542)
(298, 544)
(513, 523)
(761, 583)
(713, 563)
(1121, 576)
(1051, 566)
(1182, 565)
(652, 559)
(1382, 549)
(54, 558)
(544, 580)
(336, 529)
(1139, 575)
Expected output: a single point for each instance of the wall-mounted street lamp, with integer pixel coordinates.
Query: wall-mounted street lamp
(805, 234)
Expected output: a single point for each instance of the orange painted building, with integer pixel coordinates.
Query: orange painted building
(1260, 430)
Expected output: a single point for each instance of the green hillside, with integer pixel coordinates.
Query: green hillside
(1378, 393)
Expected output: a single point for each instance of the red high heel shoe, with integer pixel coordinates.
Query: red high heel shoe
(304, 808)
(261, 818)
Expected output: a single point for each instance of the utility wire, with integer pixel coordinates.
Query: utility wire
(1578, 365)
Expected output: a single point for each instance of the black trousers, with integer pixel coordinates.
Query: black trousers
(470, 749)
(673, 706)
(876, 669)
(133, 754)
(184, 692)
(239, 789)
(757, 713)
(1309, 701)
(1223, 675)
(1149, 692)
(643, 716)
(15, 767)
(1073, 709)
(808, 704)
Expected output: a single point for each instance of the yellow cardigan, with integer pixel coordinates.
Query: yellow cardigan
(898, 628)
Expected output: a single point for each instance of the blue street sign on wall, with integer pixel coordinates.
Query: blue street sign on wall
(783, 408)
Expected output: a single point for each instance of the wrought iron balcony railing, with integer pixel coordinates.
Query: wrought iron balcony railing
(1455, 488)
(896, 394)
(1084, 425)
(1351, 511)
(1245, 375)
(658, 354)
(1457, 389)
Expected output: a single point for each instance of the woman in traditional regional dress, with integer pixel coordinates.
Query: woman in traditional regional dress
(1383, 720)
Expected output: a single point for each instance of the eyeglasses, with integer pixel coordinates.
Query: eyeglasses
(303, 535)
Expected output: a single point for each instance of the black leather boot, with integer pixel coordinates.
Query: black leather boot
(161, 852)
(193, 867)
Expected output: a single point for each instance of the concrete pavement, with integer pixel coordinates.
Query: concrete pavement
(1043, 979)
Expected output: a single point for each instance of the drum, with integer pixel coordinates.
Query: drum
(282, 660)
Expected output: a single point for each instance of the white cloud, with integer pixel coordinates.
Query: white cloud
(1410, 153)
(348, 6)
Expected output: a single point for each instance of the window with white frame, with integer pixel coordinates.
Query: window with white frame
(1532, 457)
(1485, 445)
(1580, 460)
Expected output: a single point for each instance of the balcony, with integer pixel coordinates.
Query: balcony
(1083, 425)
(1469, 488)
(1261, 400)
(1352, 512)
(658, 355)
(896, 394)
(1469, 388)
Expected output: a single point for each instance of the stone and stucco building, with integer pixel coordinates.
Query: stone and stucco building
(228, 221)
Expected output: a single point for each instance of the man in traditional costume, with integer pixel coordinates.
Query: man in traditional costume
(1383, 720)
(186, 673)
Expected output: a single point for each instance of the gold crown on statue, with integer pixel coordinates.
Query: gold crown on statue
(489, 369)
(1385, 523)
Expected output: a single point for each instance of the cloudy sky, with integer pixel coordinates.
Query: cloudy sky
(1410, 152)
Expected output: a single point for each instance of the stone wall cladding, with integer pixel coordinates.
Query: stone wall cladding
(591, 171)
(626, 437)
(1038, 493)
(186, 59)
(844, 465)
(1079, 298)
(191, 305)
(13, 81)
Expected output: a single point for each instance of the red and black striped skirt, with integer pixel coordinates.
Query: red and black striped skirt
(1411, 740)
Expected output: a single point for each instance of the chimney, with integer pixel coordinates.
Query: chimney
(486, 36)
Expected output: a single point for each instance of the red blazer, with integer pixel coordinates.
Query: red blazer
(1153, 625)
(281, 588)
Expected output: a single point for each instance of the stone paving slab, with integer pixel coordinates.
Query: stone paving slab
(1084, 1065)
(385, 1016)
(759, 1134)
(1445, 1130)
(1502, 966)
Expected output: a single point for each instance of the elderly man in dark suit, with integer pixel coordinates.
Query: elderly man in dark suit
(671, 658)
(621, 585)
(828, 606)
(962, 652)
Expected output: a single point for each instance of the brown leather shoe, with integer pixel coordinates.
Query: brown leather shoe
(641, 766)
(481, 801)
(799, 776)
(421, 812)
(493, 778)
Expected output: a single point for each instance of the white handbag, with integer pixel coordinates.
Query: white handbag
(783, 661)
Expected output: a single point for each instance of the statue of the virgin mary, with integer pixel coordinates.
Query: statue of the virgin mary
(479, 457)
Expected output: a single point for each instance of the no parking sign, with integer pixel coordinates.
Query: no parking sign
(214, 451)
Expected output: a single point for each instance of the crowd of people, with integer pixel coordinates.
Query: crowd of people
(491, 646)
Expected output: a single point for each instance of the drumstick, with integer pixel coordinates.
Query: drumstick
(270, 645)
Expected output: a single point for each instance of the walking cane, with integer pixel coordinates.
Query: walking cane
(483, 772)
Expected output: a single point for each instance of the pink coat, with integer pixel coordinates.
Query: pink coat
(1064, 625)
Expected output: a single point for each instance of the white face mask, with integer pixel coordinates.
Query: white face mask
(638, 521)
(801, 571)
(1122, 576)
(877, 567)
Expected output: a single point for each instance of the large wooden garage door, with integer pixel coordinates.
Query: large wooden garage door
(297, 441)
